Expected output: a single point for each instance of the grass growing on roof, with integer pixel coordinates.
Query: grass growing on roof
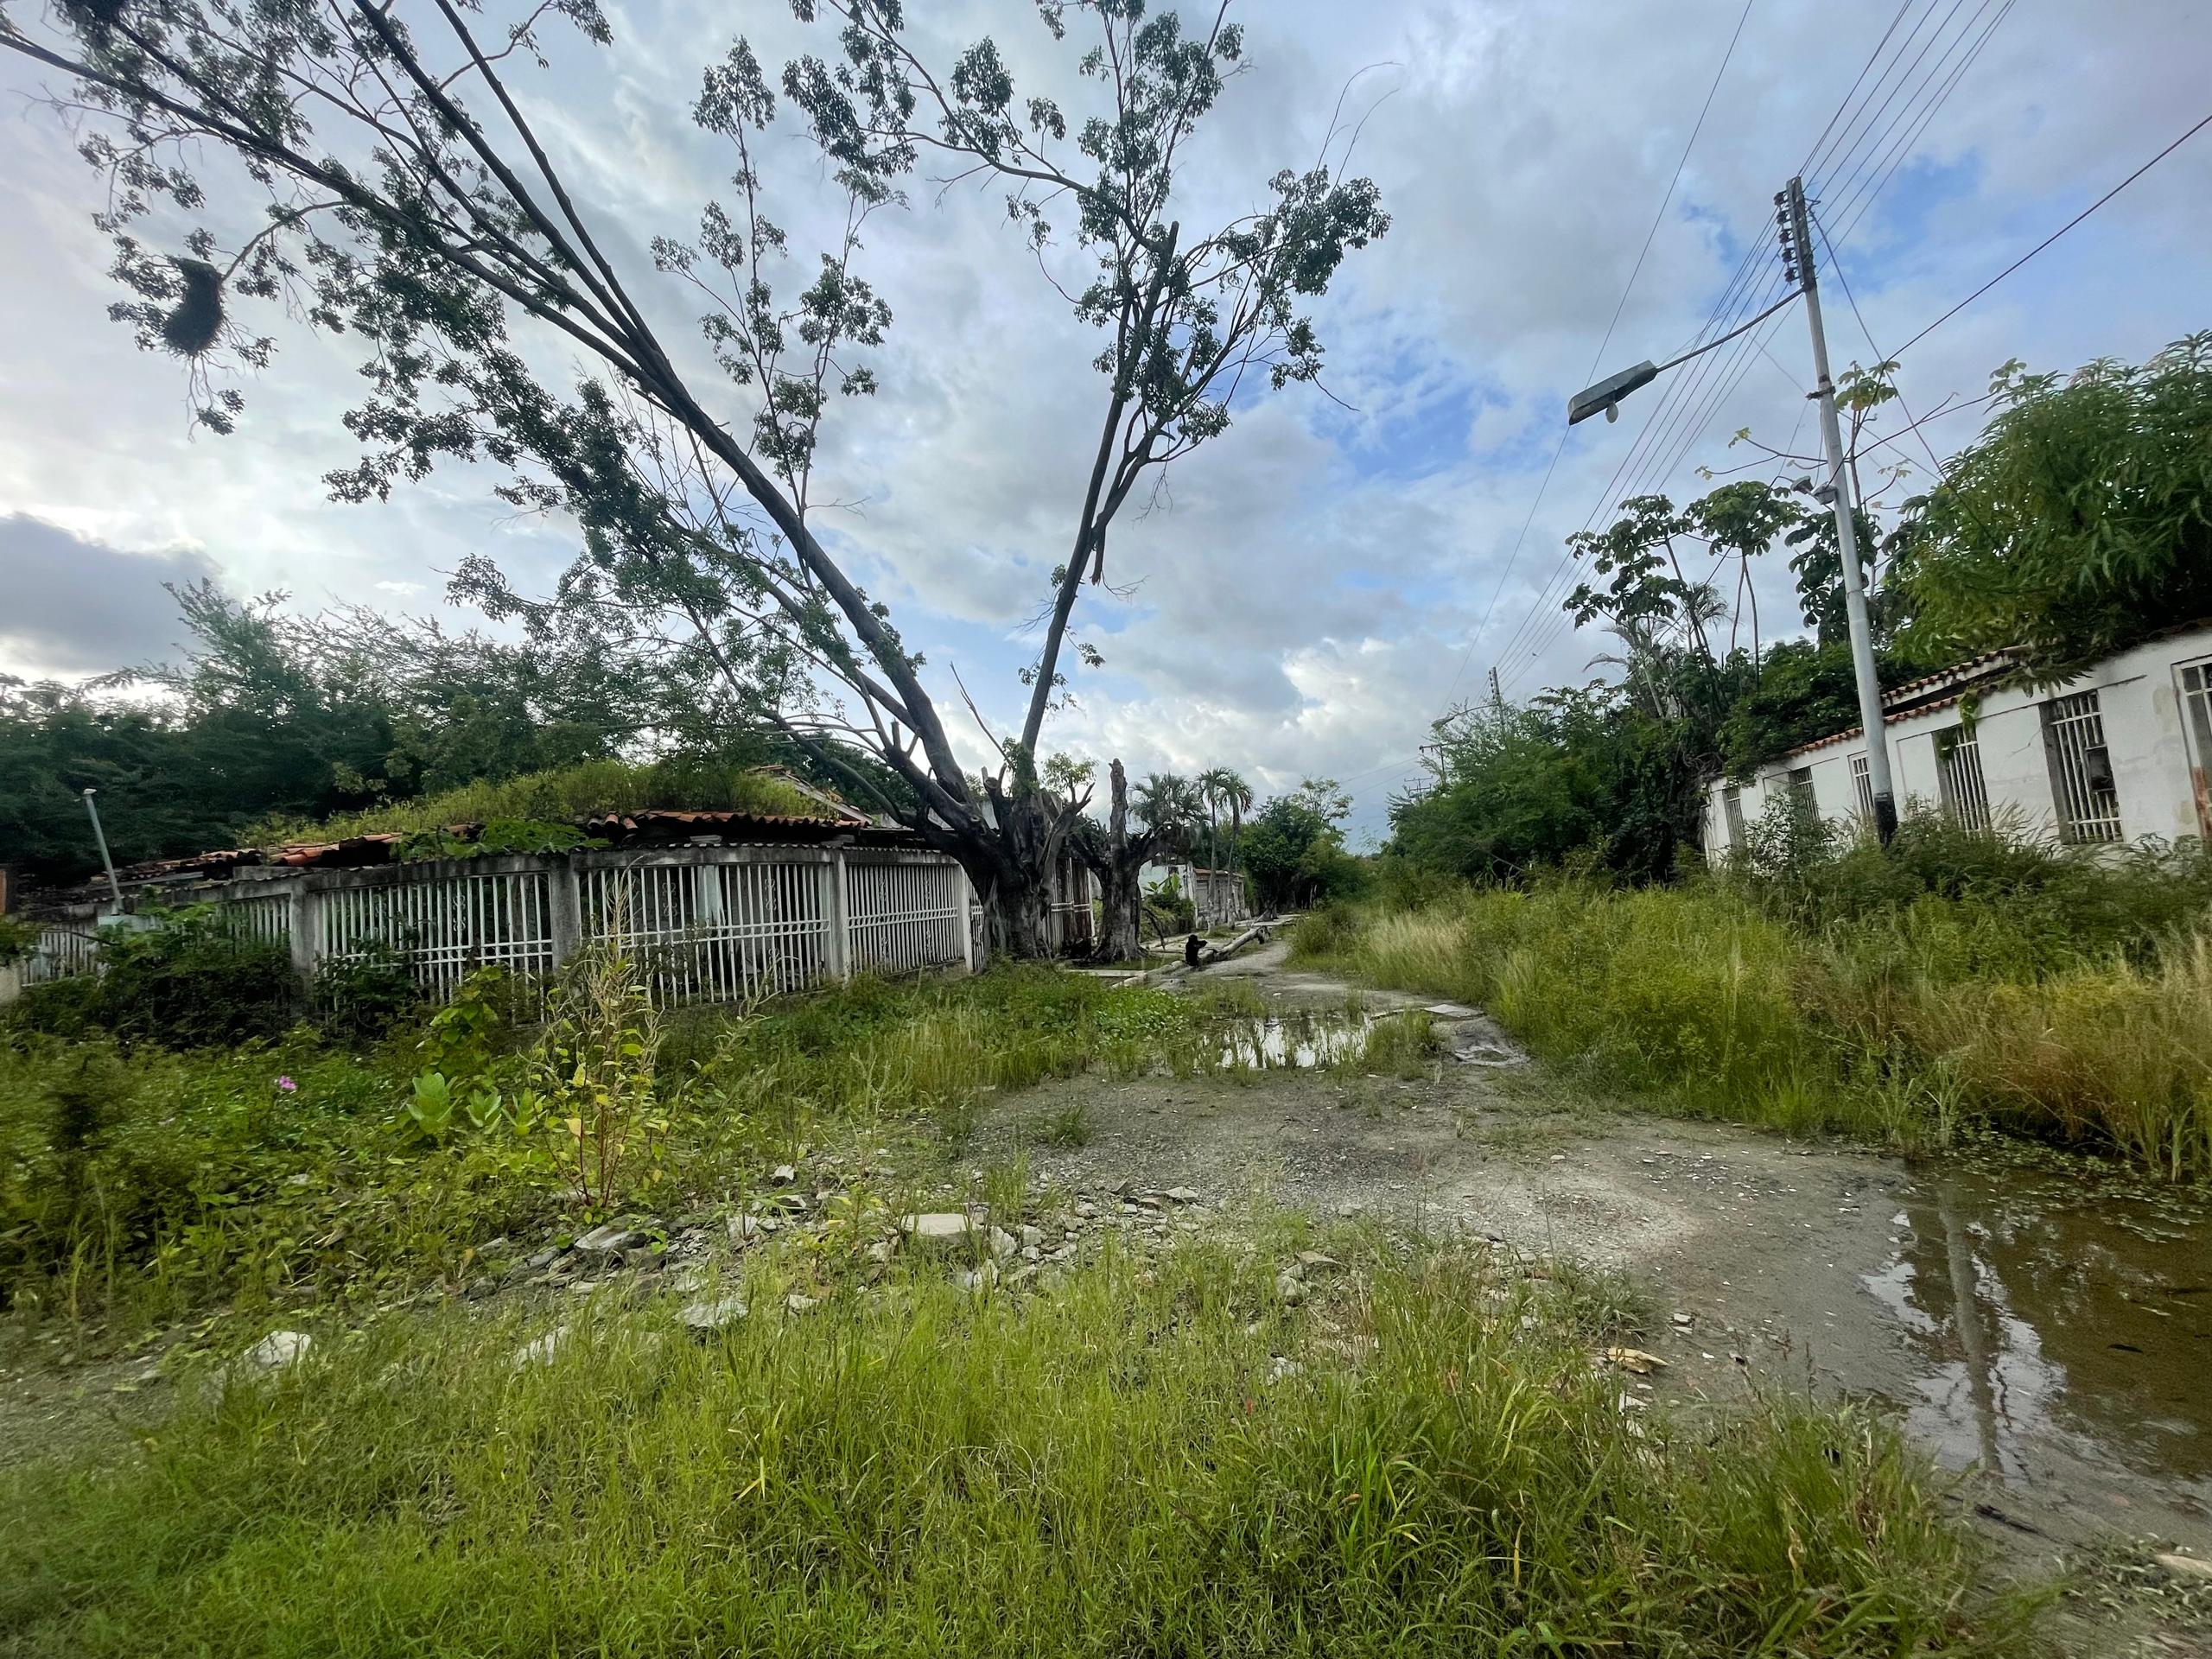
(1119, 1467)
(590, 788)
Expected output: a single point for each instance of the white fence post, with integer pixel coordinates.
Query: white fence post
(306, 922)
(837, 906)
(967, 920)
(564, 909)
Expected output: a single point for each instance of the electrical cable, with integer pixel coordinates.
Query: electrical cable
(2053, 236)
(1657, 219)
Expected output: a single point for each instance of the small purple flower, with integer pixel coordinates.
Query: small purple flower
(287, 1085)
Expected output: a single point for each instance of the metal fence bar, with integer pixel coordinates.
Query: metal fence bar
(1959, 779)
(719, 925)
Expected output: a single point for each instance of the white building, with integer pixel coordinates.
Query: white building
(1217, 896)
(2117, 754)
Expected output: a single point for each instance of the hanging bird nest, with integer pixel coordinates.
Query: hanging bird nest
(191, 328)
(94, 18)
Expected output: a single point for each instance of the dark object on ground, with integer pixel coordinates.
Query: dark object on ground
(1191, 952)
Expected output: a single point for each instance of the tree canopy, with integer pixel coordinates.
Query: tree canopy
(2079, 521)
(370, 169)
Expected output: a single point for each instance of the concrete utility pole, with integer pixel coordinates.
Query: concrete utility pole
(100, 835)
(1797, 241)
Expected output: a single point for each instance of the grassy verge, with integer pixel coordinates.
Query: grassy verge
(1897, 1023)
(1156, 1457)
(140, 1185)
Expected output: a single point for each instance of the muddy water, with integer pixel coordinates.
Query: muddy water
(2048, 1306)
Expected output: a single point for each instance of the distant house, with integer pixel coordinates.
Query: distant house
(2115, 754)
(1217, 896)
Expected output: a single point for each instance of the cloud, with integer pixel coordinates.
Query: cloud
(73, 607)
(1306, 593)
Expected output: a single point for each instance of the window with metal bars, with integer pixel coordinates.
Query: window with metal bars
(1862, 786)
(1802, 796)
(2194, 681)
(1958, 777)
(1732, 807)
(2081, 785)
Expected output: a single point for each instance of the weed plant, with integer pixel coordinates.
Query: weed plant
(1890, 996)
(139, 1184)
(1120, 1466)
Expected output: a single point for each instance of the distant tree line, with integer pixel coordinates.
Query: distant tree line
(272, 716)
(2079, 522)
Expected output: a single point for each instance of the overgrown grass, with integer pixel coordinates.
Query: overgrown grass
(590, 787)
(2044, 995)
(1119, 1467)
(138, 1186)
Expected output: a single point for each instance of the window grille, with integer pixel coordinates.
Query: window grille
(1958, 777)
(711, 932)
(2081, 769)
(905, 916)
(1862, 786)
(1732, 807)
(2195, 680)
(1802, 796)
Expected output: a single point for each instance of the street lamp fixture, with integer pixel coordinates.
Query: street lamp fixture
(1607, 393)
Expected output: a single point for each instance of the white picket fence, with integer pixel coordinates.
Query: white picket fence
(706, 924)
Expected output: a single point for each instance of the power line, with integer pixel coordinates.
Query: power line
(1863, 199)
(1806, 166)
(1598, 356)
(1873, 113)
(2053, 236)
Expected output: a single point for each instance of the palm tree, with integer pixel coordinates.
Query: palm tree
(1233, 792)
(1164, 802)
(1212, 789)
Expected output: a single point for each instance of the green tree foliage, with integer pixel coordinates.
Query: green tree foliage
(1293, 846)
(2080, 519)
(405, 199)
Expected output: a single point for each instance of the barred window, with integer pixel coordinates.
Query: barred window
(2081, 783)
(1958, 777)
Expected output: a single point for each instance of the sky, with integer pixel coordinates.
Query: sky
(1309, 591)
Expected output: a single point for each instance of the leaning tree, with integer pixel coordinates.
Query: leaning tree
(372, 168)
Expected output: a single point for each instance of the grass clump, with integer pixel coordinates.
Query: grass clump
(1890, 996)
(587, 789)
(140, 1184)
(1121, 1467)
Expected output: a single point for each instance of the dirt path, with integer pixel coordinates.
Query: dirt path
(1773, 1263)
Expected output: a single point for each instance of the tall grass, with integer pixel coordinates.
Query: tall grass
(140, 1185)
(1119, 1468)
(1894, 1021)
(590, 787)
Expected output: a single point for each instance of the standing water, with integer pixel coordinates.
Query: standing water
(2046, 1304)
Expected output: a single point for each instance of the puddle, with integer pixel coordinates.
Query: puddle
(2046, 1303)
(1296, 1039)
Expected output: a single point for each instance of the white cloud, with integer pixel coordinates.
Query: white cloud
(1308, 590)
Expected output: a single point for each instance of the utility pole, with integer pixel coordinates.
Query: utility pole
(1797, 263)
(1496, 696)
(107, 863)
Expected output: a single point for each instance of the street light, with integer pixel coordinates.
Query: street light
(1607, 393)
(1834, 492)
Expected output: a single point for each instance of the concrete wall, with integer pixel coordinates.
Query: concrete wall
(2152, 754)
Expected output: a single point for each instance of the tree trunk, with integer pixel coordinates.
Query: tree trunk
(1120, 870)
(1017, 917)
(1235, 881)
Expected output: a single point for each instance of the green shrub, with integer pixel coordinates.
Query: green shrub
(359, 999)
(183, 979)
